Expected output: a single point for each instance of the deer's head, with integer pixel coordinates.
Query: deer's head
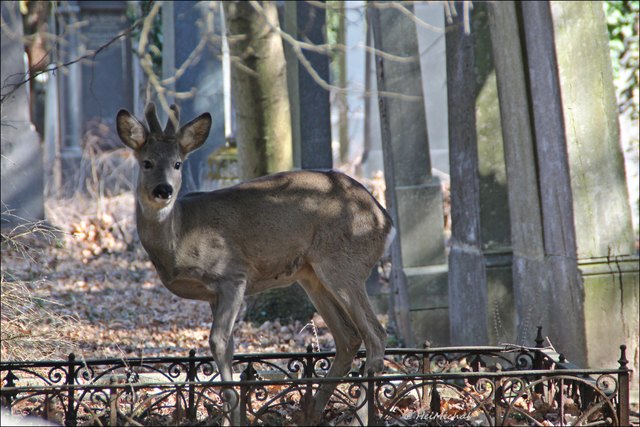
(160, 153)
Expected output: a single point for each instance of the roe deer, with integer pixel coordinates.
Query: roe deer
(319, 228)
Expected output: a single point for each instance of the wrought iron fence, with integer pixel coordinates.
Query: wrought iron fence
(465, 385)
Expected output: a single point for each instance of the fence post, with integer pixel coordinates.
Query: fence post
(113, 402)
(426, 368)
(243, 403)
(70, 418)
(623, 386)
(249, 374)
(191, 378)
(308, 374)
(537, 360)
(371, 407)
(497, 396)
(7, 398)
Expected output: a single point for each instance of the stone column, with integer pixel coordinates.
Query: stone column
(199, 88)
(431, 42)
(70, 92)
(310, 109)
(372, 160)
(467, 276)
(413, 194)
(22, 171)
(556, 197)
(96, 84)
(495, 228)
(532, 292)
(604, 237)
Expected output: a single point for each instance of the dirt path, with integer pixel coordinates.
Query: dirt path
(96, 276)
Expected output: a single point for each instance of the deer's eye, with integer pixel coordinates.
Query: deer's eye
(177, 165)
(147, 164)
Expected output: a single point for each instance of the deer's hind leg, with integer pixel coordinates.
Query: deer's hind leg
(345, 334)
(346, 283)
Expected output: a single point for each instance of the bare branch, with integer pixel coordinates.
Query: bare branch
(92, 56)
(297, 48)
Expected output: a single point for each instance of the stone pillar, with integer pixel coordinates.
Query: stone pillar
(187, 26)
(372, 159)
(413, 194)
(556, 198)
(495, 228)
(467, 276)
(431, 42)
(69, 150)
(92, 89)
(355, 38)
(475, 126)
(22, 171)
(310, 108)
(532, 291)
(606, 255)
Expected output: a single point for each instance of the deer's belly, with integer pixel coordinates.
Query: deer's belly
(288, 277)
(190, 288)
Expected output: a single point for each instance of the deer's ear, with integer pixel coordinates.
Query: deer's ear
(194, 134)
(131, 132)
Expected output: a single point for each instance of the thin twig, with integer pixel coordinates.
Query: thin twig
(297, 49)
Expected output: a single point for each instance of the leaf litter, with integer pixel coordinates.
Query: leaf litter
(96, 273)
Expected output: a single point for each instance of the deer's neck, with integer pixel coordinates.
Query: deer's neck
(158, 231)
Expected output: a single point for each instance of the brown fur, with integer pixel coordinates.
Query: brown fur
(319, 228)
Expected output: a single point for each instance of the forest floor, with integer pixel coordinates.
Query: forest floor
(89, 288)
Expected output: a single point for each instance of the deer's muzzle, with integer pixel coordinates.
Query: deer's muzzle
(162, 191)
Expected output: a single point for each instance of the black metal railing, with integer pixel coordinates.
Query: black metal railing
(473, 385)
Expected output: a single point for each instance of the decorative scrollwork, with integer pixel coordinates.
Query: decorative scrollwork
(99, 402)
(321, 366)
(57, 374)
(260, 393)
(205, 369)
(175, 370)
(411, 363)
(512, 388)
(439, 363)
(607, 384)
(159, 389)
(85, 374)
(524, 361)
(485, 388)
(388, 390)
(356, 390)
(296, 365)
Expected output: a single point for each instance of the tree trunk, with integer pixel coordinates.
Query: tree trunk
(343, 123)
(259, 85)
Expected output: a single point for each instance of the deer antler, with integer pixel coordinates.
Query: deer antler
(173, 122)
(152, 118)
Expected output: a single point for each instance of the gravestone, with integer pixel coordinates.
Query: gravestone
(606, 256)
(21, 152)
(107, 78)
(372, 160)
(574, 266)
(185, 24)
(495, 227)
(468, 299)
(413, 194)
(93, 89)
(432, 46)
(310, 108)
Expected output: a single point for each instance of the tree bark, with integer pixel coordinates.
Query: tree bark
(259, 85)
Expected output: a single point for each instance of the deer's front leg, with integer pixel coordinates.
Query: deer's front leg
(225, 310)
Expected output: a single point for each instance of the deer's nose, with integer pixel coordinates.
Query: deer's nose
(163, 191)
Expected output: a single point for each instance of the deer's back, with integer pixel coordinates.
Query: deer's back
(281, 217)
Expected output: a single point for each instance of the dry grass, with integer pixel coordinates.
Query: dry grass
(30, 326)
